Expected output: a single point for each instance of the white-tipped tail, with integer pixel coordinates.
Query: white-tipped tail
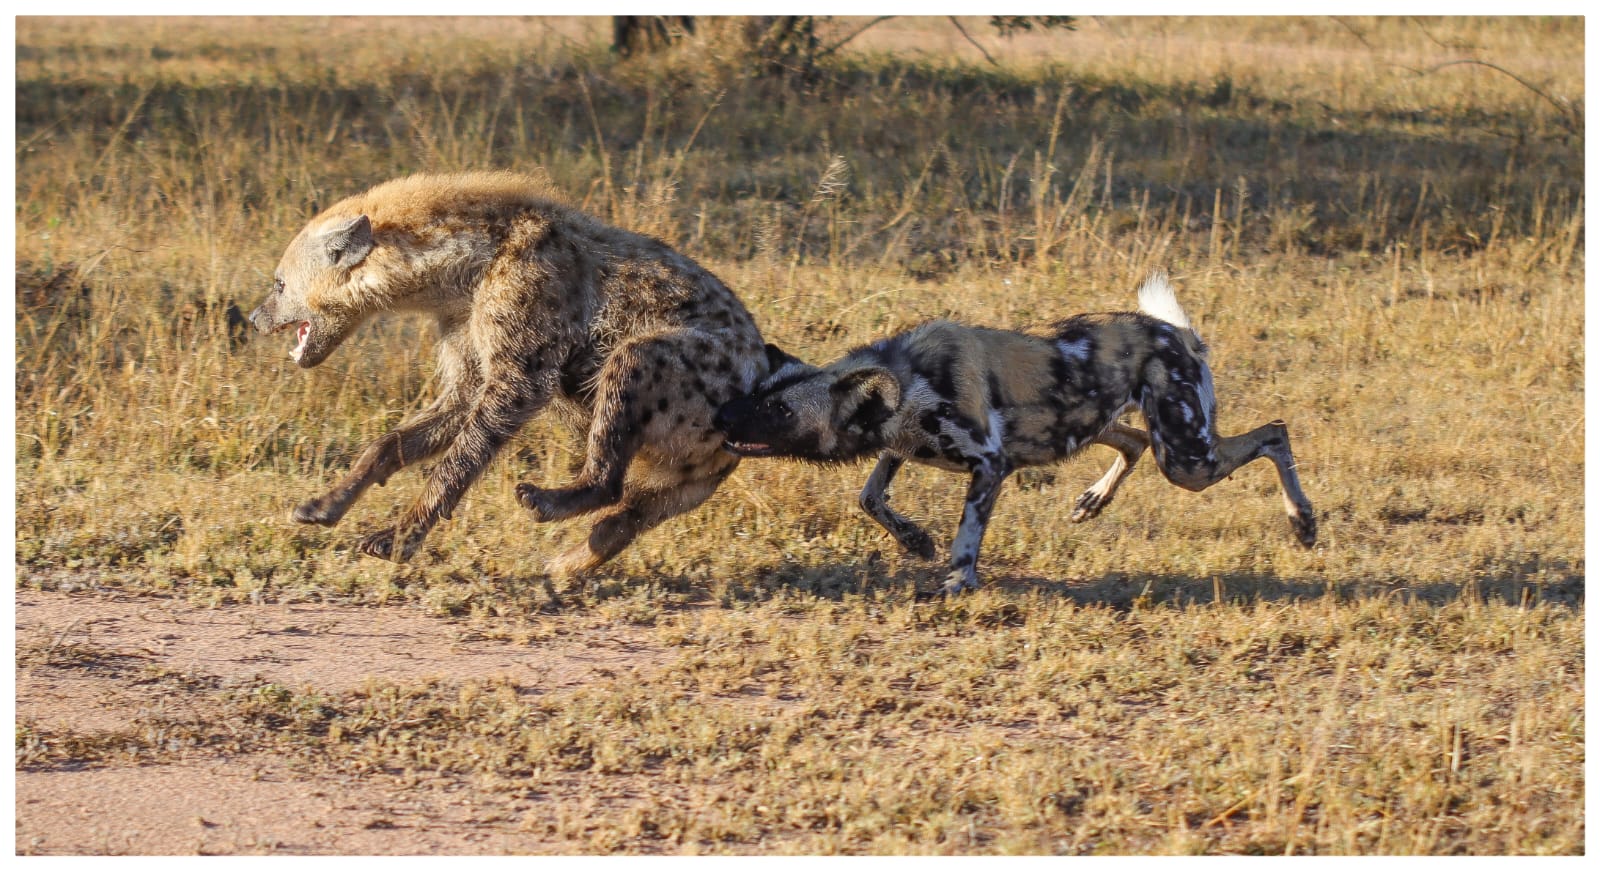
(1157, 300)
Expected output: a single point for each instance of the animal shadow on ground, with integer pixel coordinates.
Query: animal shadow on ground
(873, 577)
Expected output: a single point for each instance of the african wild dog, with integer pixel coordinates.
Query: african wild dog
(988, 401)
(536, 303)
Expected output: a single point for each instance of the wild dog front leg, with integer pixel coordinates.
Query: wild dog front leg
(1129, 444)
(503, 406)
(987, 476)
(874, 500)
(414, 441)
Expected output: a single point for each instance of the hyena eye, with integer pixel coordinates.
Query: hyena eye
(277, 285)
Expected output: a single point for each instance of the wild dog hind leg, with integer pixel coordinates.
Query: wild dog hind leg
(1184, 441)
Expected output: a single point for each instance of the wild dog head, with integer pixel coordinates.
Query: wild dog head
(823, 415)
(316, 286)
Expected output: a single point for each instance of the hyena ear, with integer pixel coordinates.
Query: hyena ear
(349, 243)
(777, 358)
(868, 397)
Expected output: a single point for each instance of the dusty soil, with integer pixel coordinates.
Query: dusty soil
(260, 803)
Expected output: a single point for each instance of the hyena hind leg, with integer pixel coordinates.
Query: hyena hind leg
(1269, 440)
(874, 500)
(656, 391)
(639, 511)
(1129, 443)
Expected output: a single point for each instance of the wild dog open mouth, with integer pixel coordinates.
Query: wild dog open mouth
(302, 334)
(748, 449)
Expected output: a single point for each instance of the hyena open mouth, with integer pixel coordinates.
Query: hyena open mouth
(302, 335)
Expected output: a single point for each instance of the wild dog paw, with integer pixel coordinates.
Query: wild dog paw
(918, 543)
(1089, 505)
(319, 511)
(386, 544)
(1304, 523)
(959, 580)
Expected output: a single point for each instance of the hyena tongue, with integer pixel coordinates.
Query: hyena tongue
(303, 334)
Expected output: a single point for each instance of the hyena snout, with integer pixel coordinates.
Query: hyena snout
(266, 318)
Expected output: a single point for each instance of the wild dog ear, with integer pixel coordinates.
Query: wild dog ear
(777, 358)
(349, 243)
(869, 396)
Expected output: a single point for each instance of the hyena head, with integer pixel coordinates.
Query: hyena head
(313, 287)
(825, 415)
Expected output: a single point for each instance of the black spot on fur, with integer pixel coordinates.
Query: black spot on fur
(929, 422)
(646, 416)
(871, 414)
(662, 403)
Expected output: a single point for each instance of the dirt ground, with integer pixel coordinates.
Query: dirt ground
(208, 804)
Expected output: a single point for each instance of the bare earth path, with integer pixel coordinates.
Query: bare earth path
(259, 803)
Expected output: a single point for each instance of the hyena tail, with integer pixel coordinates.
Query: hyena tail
(1157, 300)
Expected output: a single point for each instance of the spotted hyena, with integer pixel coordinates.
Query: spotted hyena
(537, 305)
(987, 402)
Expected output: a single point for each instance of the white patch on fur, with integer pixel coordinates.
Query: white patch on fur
(997, 434)
(1157, 299)
(1075, 352)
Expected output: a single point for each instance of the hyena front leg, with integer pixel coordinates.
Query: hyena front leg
(1129, 443)
(641, 509)
(643, 382)
(874, 500)
(414, 441)
(987, 475)
(508, 399)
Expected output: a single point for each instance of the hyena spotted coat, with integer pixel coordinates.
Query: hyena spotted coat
(987, 402)
(537, 304)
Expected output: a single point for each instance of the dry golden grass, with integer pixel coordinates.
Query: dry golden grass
(1390, 262)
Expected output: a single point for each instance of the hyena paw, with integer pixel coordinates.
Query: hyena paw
(320, 511)
(540, 501)
(918, 543)
(383, 545)
(1304, 523)
(549, 505)
(1089, 505)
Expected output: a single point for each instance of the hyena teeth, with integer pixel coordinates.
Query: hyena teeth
(301, 336)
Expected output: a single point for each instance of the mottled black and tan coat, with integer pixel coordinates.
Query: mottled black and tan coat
(536, 304)
(987, 402)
